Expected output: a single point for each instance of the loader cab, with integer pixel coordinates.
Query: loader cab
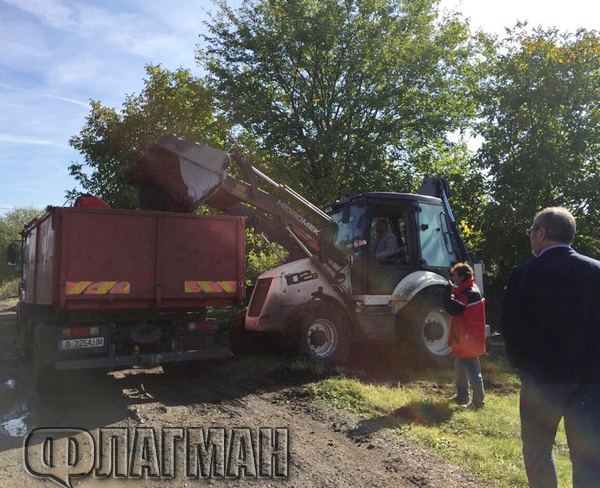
(390, 235)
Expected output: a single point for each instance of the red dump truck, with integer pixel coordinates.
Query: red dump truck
(107, 288)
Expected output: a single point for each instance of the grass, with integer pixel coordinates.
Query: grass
(486, 442)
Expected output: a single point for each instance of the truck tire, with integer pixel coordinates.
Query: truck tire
(23, 338)
(44, 376)
(243, 342)
(324, 337)
(179, 369)
(427, 327)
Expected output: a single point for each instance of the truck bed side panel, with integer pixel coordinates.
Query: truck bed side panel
(121, 259)
(96, 259)
(200, 257)
(107, 256)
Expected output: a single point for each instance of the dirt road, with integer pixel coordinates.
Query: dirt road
(327, 447)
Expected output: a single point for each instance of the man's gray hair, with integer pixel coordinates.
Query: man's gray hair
(558, 222)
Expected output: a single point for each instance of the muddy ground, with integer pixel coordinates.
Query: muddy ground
(327, 447)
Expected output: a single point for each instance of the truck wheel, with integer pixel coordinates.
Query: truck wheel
(428, 329)
(244, 342)
(179, 369)
(324, 337)
(23, 339)
(43, 372)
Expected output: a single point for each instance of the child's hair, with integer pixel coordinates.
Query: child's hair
(462, 269)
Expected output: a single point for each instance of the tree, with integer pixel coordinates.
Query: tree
(11, 226)
(541, 124)
(170, 102)
(339, 94)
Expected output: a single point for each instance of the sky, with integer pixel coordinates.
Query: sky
(57, 55)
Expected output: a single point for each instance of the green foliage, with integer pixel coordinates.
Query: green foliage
(338, 94)
(110, 141)
(260, 256)
(11, 226)
(541, 124)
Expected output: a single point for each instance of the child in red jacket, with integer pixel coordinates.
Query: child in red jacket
(465, 303)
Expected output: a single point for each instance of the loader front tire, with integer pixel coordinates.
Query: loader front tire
(428, 328)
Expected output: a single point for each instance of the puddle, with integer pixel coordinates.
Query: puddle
(15, 427)
(14, 424)
(9, 384)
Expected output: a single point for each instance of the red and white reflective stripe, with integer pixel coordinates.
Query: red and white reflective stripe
(80, 331)
(202, 325)
(210, 286)
(97, 287)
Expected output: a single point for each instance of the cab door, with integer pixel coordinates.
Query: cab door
(353, 224)
(436, 243)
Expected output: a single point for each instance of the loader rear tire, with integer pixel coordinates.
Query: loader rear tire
(324, 336)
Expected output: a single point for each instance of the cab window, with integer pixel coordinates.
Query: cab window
(390, 224)
(434, 236)
(352, 226)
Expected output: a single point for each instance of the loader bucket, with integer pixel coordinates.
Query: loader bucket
(177, 175)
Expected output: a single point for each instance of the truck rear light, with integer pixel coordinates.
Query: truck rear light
(80, 331)
(261, 290)
(202, 326)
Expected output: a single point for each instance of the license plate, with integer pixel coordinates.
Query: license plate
(82, 343)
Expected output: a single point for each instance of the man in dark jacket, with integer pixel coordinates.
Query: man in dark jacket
(551, 326)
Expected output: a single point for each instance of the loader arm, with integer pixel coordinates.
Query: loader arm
(269, 226)
(179, 175)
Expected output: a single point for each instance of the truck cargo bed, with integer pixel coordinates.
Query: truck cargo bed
(105, 259)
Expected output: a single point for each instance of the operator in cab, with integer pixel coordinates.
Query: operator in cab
(385, 243)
